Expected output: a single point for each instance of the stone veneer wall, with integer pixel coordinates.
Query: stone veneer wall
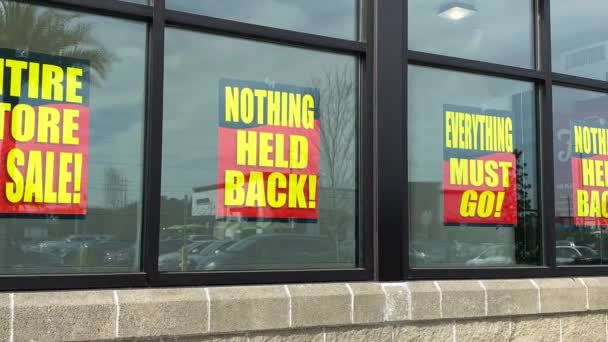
(551, 309)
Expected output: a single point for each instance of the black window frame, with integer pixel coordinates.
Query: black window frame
(157, 17)
(392, 116)
(383, 228)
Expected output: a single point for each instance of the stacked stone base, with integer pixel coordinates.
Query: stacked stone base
(557, 309)
(578, 327)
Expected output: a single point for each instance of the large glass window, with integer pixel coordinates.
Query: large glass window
(579, 40)
(71, 144)
(580, 122)
(490, 31)
(472, 170)
(259, 156)
(339, 19)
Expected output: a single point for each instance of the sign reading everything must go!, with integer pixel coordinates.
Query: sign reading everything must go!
(479, 167)
(269, 139)
(44, 134)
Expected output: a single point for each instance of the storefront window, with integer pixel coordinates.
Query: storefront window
(259, 156)
(579, 40)
(72, 98)
(340, 19)
(580, 122)
(490, 31)
(472, 170)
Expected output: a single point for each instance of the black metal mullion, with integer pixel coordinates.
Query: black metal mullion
(390, 147)
(153, 141)
(581, 271)
(50, 281)
(405, 255)
(580, 82)
(262, 277)
(365, 192)
(114, 8)
(546, 138)
(480, 273)
(473, 66)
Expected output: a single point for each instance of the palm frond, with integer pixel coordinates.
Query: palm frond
(100, 60)
(49, 31)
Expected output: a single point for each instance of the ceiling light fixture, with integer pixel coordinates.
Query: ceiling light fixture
(456, 11)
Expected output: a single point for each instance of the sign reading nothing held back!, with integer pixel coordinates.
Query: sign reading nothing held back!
(590, 174)
(268, 151)
(43, 134)
(479, 167)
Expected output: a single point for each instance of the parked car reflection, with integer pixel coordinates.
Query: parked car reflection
(34, 262)
(118, 253)
(200, 257)
(500, 255)
(61, 248)
(577, 255)
(112, 253)
(275, 251)
(565, 243)
(171, 245)
(170, 261)
(417, 257)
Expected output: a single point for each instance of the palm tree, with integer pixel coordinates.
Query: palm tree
(26, 27)
(29, 28)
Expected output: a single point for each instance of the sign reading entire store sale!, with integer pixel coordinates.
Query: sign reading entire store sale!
(269, 140)
(43, 134)
(479, 167)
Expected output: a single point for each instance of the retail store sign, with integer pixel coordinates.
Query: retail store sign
(269, 143)
(43, 134)
(479, 167)
(590, 173)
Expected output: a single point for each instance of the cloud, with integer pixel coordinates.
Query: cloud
(117, 108)
(195, 64)
(500, 31)
(430, 89)
(311, 16)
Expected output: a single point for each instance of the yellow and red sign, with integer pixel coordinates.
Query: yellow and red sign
(479, 167)
(269, 140)
(43, 134)
(590, 173)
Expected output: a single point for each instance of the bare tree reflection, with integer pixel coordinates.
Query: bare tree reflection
(338, 152)
(527, 231)
(116, 188)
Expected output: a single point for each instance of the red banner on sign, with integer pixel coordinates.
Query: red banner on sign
(46, 174)
(488, 196)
